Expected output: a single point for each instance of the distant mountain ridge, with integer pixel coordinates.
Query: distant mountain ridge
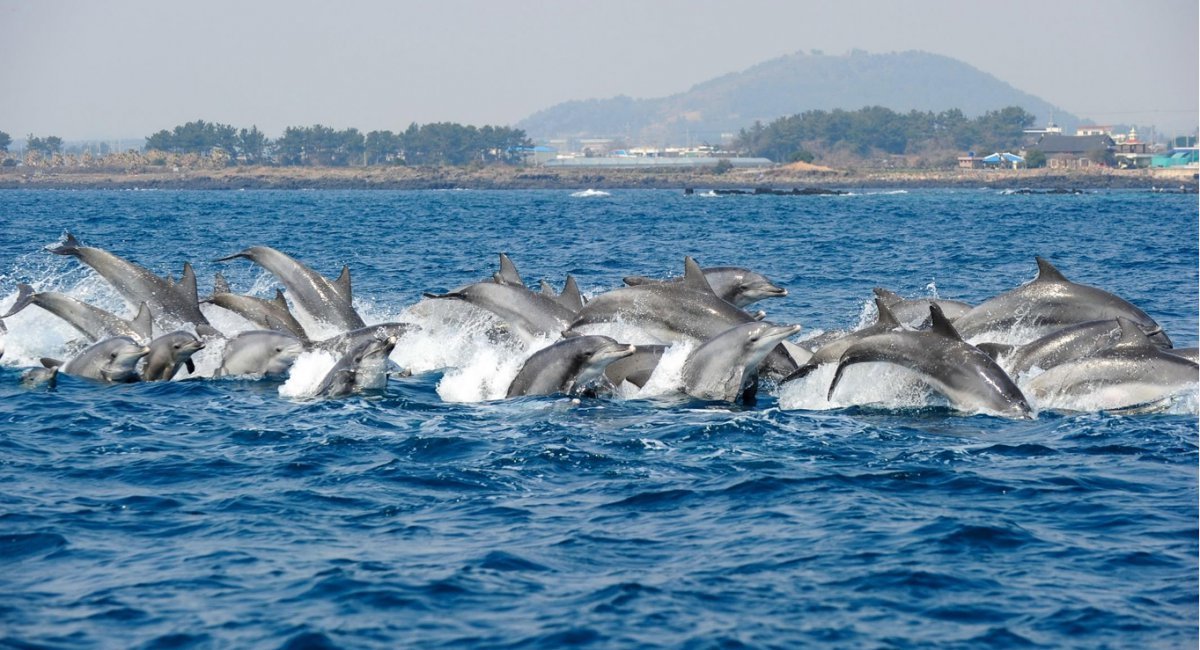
(787, 85)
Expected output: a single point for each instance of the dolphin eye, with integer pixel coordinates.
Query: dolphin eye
(176, 346)
(113, 355)
(278, 349)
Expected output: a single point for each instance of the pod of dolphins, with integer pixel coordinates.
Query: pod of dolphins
(1061, 338)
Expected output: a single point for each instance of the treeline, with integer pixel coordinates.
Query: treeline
(441, 143)
(878, 129)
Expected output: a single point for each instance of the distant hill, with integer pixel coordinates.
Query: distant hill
(788, 85)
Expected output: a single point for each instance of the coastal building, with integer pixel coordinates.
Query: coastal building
(636, 162)
(1177, 157)
(1132, 153)
(1073, 151)
(1094, 130)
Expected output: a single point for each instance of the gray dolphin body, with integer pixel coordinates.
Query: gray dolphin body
(170, 352)
(568, 366)
(1069, 343)
(530, 314)
(1191, 354)
(112, 360)
(637, 367)
(1048, 303)
(735, 284)
(267, 314)
(363, 368)
(915, 310)
(969, 378)
(260, 353)
(94, 323)
(3, 330)
(330, 302)
(343, 343)
(1133, 373)
(726, 366)
(173, 304)
(687, 311)
(831, 352)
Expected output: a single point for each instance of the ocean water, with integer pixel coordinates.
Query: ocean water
(211, 513)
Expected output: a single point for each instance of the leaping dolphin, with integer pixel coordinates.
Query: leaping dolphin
(1134, 373)
(832, 351)
(726, 366)
(112, 360)
(363, 368)
(531, 314)
(260, 353)
(168, 353)
(330, 302)
(1048, 303)
(1058, 347)
(267, 314)
(739, 286)
(94, 323)
(915, 310)
(569, 366)
(970, 379)
(174, 304)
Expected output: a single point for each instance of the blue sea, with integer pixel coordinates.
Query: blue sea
(218, 513)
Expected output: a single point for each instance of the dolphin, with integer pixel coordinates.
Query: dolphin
(970, 379)
(267, 314)
(112, 360)
(669, 312)
(342, 343)
(530, 314)
(569, 366)
(739, 286)
(1069, 343)
(174, 304)
(363, 368)
(94, 323)
(35, 377)
(831, 352)
(1048, 303)
(260, 353)
(1134, 372)
(726, 366)
(637, 367)
(168, 353)
(915, 310)
(330, 302)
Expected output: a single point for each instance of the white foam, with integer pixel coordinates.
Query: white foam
(589, 193)
(306, 374)
(882, 385)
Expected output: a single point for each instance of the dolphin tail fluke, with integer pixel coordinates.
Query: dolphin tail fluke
(24, 299)
(70, 246)
(50, 363)
(143, 322)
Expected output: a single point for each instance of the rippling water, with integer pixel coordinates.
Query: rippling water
(223, 513)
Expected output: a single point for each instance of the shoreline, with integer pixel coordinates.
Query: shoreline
(518, 178)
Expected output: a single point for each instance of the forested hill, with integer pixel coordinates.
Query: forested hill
(788, 85)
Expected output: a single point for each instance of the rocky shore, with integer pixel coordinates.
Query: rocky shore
(504, 177)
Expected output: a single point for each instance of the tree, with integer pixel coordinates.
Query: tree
(1035, 158)
(1102, 156)
(47, 146)
(5, 140)
(252, 145)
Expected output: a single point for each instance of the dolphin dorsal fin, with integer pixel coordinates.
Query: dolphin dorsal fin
(508, 273)
(1132, 336)
(886, 317)
(1047, 272)
(279, 299)
(50, 363)
(548, 290)
(570, 296)
(343, 283)
(220, 284)
(187, 283)
(143, 322)
(940, 324)
(693, 276)
(889, 297)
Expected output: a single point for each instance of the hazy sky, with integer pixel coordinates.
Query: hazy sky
(127, 68)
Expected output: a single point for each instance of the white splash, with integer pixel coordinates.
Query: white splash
(589, 193)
